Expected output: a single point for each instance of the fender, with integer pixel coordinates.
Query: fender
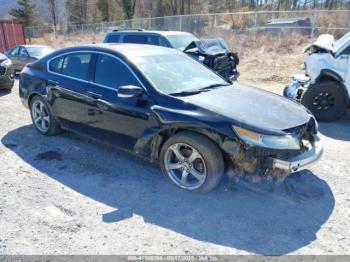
(151, 141)
(331, 75)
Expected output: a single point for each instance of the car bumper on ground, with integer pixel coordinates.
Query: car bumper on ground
(299, 162)
(296, 89)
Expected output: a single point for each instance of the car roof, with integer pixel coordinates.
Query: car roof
(34, 46)
(158, 32)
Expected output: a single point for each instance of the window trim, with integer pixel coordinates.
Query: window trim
(92, 82)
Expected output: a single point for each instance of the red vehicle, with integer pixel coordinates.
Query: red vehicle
(11, 34)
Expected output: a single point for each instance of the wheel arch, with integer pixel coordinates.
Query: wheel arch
(151, 144)
(31, 96)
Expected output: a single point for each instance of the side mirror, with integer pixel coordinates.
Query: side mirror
(129, 91)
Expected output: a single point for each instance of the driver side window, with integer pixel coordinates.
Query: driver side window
(14, 51)
(112, 73)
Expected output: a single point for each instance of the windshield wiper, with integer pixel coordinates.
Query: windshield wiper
(197, 91)
(213, 86)
(186, 93)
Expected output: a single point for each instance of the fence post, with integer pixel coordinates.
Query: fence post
(255, 24)
(180, 22)
(314, 21)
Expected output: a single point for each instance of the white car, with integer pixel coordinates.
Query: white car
(325, 87)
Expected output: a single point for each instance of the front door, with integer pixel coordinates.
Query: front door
(117, 120)
(13, 54)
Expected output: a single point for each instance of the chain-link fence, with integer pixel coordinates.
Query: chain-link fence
(310, 23)
(269, 44)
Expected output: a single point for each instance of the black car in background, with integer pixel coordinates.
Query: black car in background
(21, 55)
(214, 53)
(6, 73)
(159, 103)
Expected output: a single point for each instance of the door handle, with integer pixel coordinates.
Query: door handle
(94, 95)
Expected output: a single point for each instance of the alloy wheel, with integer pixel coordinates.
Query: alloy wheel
(185, 166)
(40, 116)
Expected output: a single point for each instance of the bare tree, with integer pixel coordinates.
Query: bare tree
(53, 14)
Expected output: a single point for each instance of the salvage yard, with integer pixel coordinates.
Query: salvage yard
(70, 195)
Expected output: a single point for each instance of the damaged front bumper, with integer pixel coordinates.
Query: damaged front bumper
(296, 89)
(299, 162)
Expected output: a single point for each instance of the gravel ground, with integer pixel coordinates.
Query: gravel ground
(70, 195)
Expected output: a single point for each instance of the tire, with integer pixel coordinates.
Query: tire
(209, 161)
(51, 127)
(331, 94)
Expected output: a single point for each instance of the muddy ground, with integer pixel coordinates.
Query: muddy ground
(70, 195)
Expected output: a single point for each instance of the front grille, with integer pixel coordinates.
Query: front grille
(2, 70)
(221, 62)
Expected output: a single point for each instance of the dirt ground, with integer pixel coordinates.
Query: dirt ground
(70, 195)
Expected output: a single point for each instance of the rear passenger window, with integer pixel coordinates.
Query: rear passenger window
(56, 64)
(113, 39)
(143, 39)
(112, 73)
(76, 65)
(136, 39)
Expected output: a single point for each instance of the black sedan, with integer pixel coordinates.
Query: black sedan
(162, 104)
(21, 55)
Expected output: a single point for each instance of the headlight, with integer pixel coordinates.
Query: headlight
(6, 62)
(267, 141)
(303, 66)
(201, 58)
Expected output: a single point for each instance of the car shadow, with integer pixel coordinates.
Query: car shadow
(4, 92)
(250, 217)
(339, 129)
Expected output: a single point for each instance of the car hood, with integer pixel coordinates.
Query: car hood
(208, 46)
(252, 108)
(3, 57)
(325, 42)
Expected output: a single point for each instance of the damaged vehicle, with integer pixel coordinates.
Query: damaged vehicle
(161, 104)
(6, 73)
(214, 53)
(325, 86)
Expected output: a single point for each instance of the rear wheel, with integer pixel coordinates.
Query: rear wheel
(326, 100)
(192, 162)
(42, 117)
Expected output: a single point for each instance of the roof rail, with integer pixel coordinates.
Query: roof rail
(138, 29)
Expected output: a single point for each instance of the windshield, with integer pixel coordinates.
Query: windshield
(38, 51)
(175, 73)
(341, 41)
(180, 41)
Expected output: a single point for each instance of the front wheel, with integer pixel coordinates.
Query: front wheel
(192, 162)
(42, 117)
(326, 100)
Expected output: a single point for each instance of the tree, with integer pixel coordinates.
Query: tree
(129, 8)
(53, 14)
(26, 12)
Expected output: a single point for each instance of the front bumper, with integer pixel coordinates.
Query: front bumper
(296, 89)
(7, 79)
(299, 162)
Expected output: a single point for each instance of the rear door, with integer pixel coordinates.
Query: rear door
(68, 85)
(117, 120)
